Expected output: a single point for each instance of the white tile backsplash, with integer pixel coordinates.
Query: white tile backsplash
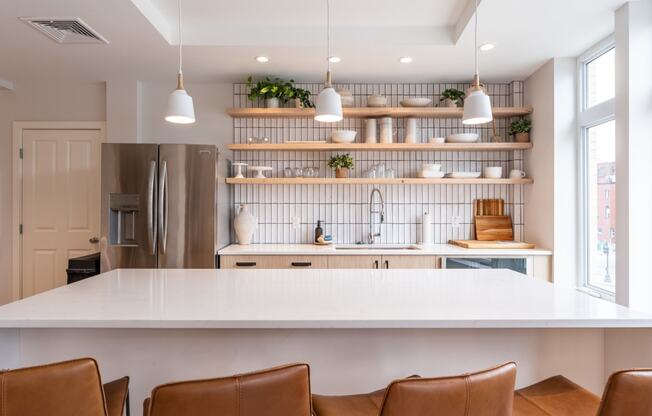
(343, 209)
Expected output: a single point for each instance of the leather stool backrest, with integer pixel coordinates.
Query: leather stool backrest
(280, 391)
(485, 393)
(62, 389)
(628, 392)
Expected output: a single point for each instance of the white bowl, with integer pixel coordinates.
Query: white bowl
(416, 102)
(437, 140)
(343, 136)
(376, 101)
(462, 138)
(430, 174)
(431, 167)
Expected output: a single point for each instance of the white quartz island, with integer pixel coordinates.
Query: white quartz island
(357, 328)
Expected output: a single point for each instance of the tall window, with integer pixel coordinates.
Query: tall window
(598, 136)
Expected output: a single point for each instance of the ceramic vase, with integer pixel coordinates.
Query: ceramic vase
(245, 224)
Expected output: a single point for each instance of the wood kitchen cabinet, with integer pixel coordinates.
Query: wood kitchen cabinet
(354, 262)
(273, 262)
(383, 262)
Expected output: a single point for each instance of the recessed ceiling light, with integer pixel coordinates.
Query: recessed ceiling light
(487, 47)
(262, 59)
(334, 59)
(405, 60)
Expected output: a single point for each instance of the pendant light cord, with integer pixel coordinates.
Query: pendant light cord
(475, 43)
(180, 39)
(328, 34)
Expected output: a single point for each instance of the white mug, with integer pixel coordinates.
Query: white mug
(493, 172)
(517, 174)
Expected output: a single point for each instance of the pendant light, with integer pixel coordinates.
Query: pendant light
(328, 107)
(477, 106)
(180, 106)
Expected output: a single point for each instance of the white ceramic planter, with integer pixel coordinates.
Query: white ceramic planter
(245, 224)
(272, 102)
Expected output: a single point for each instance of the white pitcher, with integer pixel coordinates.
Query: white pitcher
(245, 224)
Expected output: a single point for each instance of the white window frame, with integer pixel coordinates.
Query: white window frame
(590, 117)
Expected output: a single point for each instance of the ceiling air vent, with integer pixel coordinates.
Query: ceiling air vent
(65, 30)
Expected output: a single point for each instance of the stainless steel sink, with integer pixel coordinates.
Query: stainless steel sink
(377, 247)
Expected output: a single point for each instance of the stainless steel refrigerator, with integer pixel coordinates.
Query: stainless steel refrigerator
(163, 206)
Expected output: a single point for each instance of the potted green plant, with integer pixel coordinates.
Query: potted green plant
(275, 90)
(300, 96)
(341, 164)
(452, 97)
(520, 129)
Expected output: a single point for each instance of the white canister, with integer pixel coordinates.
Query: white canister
(244, 224)
(386, 133)
(411, 130)
(370, 131)
(426, 229)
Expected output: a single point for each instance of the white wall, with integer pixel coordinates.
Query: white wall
(551, 202)
(633, 36)
(36, 102)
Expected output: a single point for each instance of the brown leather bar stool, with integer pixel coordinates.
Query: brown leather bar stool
(627, 392)
(485, 393)
(61, 389)
(279, 391)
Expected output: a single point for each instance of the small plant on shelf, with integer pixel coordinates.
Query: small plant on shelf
(275, 90)
(520, 129)
(341, 164)
(452, 97)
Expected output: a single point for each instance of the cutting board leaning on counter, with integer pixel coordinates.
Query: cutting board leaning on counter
(493, 229)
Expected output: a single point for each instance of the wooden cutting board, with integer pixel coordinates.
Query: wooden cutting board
(493, 228)
(492, 244)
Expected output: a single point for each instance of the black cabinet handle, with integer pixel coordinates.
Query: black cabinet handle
(376, 264)
(301, 264)
(387, 264)
(245, 263)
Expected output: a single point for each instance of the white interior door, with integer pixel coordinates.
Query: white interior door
(61, 203)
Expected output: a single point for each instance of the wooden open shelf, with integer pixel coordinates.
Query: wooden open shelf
(366, 112)
(394, 147)
(376, 181)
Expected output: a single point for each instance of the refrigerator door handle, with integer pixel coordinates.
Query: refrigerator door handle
(151, 229)
(163, 206)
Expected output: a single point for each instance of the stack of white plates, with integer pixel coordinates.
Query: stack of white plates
(430, 170)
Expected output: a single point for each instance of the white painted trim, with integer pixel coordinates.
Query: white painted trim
(17, 181)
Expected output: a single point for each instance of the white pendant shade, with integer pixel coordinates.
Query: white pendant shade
(180, 108)
(477, 108)
(328, 107)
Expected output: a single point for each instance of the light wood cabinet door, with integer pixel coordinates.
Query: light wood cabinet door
(410, 262)
(354, 262)
(273, 262)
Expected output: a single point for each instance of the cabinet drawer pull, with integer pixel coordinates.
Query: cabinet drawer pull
(387, 264)
(376, 264)
(245, 263)
(301, 264)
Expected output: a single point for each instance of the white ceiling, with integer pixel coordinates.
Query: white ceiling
(370, 35)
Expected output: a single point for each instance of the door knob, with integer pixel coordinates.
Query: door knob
(93, 240)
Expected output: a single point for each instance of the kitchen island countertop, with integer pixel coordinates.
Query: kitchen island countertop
(132, 298)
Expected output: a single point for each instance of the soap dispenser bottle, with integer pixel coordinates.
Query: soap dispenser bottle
(318, 231)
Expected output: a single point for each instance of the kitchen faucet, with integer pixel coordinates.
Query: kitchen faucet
(372, 201)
